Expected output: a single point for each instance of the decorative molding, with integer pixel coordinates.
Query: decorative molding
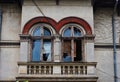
(7, 80)
(106, 45)
(9, 43)
(35, 20)
(77, 20)
(59, 25)
(89, 37)
(24, 37)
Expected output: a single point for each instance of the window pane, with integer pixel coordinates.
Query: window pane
(67, 32)
(36, 32)
(47, 50)
(46, 32)
(76, 32)
(36, 50)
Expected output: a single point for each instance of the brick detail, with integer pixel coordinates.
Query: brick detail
(59, 25)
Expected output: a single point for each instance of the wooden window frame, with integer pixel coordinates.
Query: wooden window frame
(72, 39)
(42, 37)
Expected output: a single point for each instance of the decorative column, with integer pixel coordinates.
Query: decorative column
(57, 55)
(89, 53)
(57, 49)
(24, 53)
(89, 48)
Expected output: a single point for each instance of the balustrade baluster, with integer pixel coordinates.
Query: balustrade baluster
(79, 69)
(42, 69)
(39, 69)
(73, 69)
(84, 69)
(34, 70)
(64, 70)
(68, 70)
(45, 70)
(76, 69)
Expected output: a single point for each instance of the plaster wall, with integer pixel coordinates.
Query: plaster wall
(78, 8)
(105, 67)
(103, 26)
(9, 54)
(8, 63)
(11, 19)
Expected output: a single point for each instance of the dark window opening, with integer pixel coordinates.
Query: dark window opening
(72, 44)
(78, 50)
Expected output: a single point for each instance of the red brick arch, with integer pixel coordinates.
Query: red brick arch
(36, 20)
(59, 25)
(76, 20)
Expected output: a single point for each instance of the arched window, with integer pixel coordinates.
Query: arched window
(41, 42)
(72, 43)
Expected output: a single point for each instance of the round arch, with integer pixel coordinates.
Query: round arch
(59, 25)
(76, 20)
(36, 20)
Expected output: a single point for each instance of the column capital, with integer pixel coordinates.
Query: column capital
(24, 37)
(89, 37)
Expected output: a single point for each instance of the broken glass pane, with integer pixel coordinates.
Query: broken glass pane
(77, 32)
(66, 57)
(46, 32)
(47, 50)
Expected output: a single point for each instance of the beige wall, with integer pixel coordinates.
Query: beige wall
(103, 32)
(103, 25)
(82, 9)
(8, 62)
(11, 20)
(105, 68)
(9, 54)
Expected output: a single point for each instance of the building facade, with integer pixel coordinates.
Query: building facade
(58, 41)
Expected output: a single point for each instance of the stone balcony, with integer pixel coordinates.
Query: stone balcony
(57, 72)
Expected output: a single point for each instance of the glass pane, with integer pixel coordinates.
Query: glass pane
(36, 32)
(67, 32)
(46, 32)
(36, 50)
(47, 50)
(76, 32)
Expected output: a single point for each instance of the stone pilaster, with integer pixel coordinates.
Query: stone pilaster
(24, 48)
(89, 48)
(57, 49)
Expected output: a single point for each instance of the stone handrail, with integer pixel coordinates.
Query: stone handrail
(58, 68)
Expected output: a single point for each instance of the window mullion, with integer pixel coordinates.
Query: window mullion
(72, 49)
(42, 47)
(72, 43)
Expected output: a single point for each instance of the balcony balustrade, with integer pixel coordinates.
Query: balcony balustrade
(57, 70)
